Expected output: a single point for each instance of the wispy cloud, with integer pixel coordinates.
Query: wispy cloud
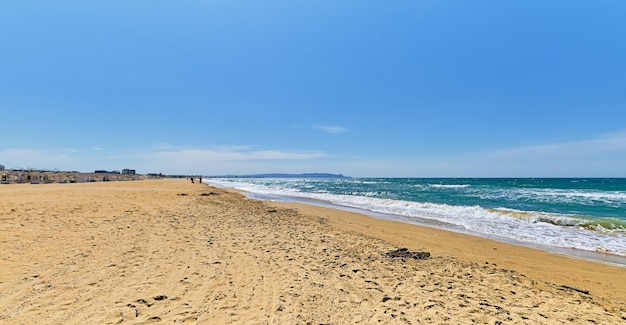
(331, 129)
(597, 156)
(606, 143)
(230, 160)
(237, 154)
(218, 159)
(272, 154)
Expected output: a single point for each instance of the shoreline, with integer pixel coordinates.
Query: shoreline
(593, 256)
(534, 262)
(172, 251)
(349, 217)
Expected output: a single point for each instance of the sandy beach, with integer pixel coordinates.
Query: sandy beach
(168, 251)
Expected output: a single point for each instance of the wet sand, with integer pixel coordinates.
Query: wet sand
(170, 251)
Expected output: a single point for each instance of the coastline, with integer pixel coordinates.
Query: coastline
(172, 251)
(536, 263)
(549, 214)
(592, 256)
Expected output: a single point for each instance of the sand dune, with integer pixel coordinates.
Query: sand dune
(168, 251)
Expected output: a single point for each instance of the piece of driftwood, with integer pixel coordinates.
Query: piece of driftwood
(575, 289)
(406, 253)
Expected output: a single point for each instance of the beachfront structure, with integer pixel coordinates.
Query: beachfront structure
(128, 172)
(45, 177)
(106, 172)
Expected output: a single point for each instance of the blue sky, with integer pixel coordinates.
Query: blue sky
(363, 88)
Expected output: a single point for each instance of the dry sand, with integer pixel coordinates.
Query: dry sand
(168, 251)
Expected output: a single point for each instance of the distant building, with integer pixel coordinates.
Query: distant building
(128, 172)
(1, 168)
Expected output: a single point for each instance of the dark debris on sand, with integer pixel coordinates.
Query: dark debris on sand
(406, 253)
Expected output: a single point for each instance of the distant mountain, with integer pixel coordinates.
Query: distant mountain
(279, 175)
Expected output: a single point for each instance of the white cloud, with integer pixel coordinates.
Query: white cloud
(600, 156)
(236, 154)
(606, 143)
(331, 129)
(272, 154)
(228, 160)
(218, 160)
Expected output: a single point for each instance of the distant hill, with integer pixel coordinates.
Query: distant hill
(279, 175)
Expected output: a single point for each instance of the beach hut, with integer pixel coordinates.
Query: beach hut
(5, 178)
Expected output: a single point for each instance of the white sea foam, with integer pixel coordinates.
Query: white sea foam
(569, 196)
(528, 227)
(449, 186)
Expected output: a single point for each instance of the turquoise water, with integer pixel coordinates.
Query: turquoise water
(581, 213)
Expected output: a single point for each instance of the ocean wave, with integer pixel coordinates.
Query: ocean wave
(606, 225)
(449, 186)
(614, 199)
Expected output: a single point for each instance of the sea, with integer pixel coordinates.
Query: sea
(582, 217)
